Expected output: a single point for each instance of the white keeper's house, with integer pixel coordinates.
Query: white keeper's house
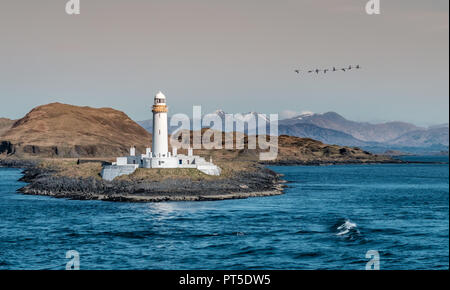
(158, 156)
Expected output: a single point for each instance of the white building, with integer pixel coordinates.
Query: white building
(158, 156)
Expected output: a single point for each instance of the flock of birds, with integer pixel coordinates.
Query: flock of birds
(334, 69)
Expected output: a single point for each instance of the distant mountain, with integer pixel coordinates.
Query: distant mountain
(71, 131)
(439, 126)
(360, 130)
(324, 135)
(245, 117)
(251, 122)
(332, 128)
(60, 130)
(375, 137)
(424, 138)
(147, 125)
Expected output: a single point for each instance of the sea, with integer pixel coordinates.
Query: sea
(341, 217)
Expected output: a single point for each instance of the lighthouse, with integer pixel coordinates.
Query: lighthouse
(160, 146)
(158, 156)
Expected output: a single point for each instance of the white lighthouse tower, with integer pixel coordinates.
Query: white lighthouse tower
(159, 156)
(160, 146)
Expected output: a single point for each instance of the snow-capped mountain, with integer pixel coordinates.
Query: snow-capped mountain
(374, 136)
(332, 128)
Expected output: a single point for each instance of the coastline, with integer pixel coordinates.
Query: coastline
(278, 189)
(258, 183)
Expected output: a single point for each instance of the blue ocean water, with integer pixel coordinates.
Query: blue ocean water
(329, 217)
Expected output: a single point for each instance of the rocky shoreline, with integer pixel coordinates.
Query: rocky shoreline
(261, 182)
(243, 184)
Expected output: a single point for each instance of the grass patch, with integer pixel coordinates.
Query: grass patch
(158, 174)
(68, 167)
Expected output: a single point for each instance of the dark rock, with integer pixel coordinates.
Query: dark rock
(243, 184)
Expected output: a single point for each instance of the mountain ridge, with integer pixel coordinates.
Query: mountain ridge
(61, 130)
(333, 128)
(65, 130)
(363, 131)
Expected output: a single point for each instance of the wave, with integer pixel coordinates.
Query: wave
(346, 227)
(348, 230)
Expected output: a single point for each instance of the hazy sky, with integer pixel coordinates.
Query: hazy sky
(238, 55)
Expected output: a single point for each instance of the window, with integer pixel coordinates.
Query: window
(180, 161)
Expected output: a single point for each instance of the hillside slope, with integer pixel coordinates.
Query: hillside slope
(70, 131)
(5, 125)
(424, 138)
(294, 150)
(59, 130)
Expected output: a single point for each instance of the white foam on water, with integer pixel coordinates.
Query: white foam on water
(346, 227)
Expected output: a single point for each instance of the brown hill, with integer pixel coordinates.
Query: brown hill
(297, 150)
(5, 125)
(293, 150)
(60, 130)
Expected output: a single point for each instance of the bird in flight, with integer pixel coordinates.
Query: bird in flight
(326, 70)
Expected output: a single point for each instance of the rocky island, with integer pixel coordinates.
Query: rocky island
(70, 178)
(62, 149)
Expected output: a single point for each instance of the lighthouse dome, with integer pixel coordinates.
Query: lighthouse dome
(160, 95)
(160, 98)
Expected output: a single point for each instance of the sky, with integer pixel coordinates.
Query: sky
(236, 55)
